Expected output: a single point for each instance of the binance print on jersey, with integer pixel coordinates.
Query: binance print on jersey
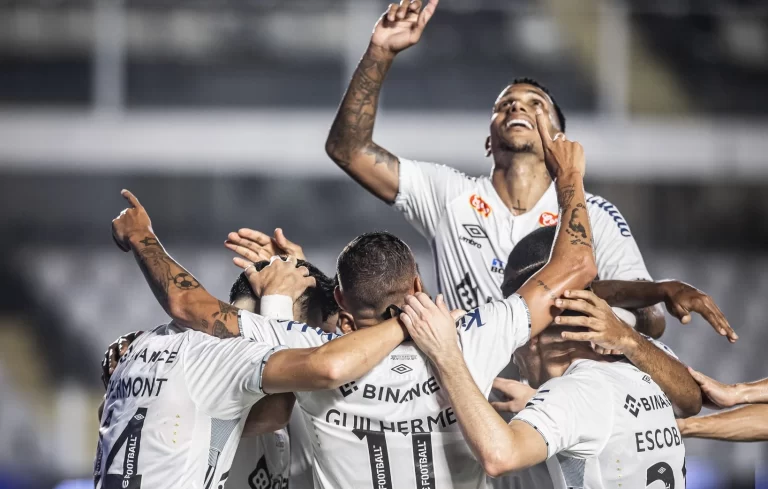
(395, 427)
(609, 425)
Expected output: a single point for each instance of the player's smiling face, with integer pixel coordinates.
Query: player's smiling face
(513, 122)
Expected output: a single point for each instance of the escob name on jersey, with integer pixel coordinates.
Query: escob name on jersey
(657, 438)
(121, 388)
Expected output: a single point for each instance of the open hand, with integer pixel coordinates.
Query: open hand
(431, 325)
(256, 246)
(716, 394)
(401, 26)
(609, 334)
(681, 299)
(281, 277)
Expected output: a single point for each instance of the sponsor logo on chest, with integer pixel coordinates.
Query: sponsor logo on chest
(480, 205)
(547, 219)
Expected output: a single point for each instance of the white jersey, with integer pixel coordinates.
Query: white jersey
(395, 427)
(607, 425)
(472, 232)
(175, 408)
(262, 462)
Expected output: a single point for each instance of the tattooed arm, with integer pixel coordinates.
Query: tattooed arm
(572, 263)
(350, 141)
(177, 291)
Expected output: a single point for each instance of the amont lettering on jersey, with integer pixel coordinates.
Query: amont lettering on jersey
(122, 388)
(441, 422)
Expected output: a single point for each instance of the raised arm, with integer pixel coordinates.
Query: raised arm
(680, 299)
(178, 292)
(611, 335)
(350, 141)
(572, 263)
(748, 423)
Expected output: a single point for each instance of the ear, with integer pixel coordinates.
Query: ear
(346, 322)
(488, 146)
(418, 285)
(339, 296)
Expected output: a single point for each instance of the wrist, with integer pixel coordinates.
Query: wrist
(142, 237)
(740, 394)
(379, 53)
(631, 343)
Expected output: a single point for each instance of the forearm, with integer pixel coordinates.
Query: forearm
(336, 363)
(641, 296)
(669, 374)
(269, 414)
(179, 293)
(350, 141)
(487, 434)
(572, 263)
(747, 423)
(753, 392)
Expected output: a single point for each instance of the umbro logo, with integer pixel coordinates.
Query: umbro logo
(401, 369)
(646, 379)
(138, 417)
(475, 231)
(631, 405)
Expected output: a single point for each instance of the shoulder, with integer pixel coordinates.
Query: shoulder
(602, 210)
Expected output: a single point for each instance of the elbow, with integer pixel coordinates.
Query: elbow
(585, 269)
(497, 466)
(330, 373)
(691, 406)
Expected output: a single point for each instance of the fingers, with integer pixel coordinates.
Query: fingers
(417, 306)
(427, 13)
(700, 378)
(411, 313)
(244, 264)
(310, 282)
(392, 12)
(586, 295)
(402, 9)
(425, 301)
(246, 248)
(541, 125)
(130, 198)
(571, 336)
(716, 318)
(579, 305)
(504, 407)
(253, 235)
(584, 321)
(506, 386)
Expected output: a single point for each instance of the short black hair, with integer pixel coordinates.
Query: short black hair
(376, 269)
(527, 257)
(320, 297)
(558, 111)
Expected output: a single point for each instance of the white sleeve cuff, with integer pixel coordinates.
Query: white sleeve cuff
(256, 381)
(277, 307)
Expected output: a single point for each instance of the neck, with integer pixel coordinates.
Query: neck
(555, 363)
(520, 179)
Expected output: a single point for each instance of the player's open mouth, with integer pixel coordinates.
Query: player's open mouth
(518, 123)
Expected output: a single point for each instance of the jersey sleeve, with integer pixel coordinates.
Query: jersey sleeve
(553, 413)
(292, 334)
(490, 334)
(616, 252)
(661, 346)
(424, 192)
(224, 376)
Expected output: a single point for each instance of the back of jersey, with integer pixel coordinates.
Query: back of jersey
(173, 410)
(608, 425)
(645, 448)
(393, 428)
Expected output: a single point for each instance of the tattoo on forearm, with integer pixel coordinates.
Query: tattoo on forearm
(220, 330)
(576, 229)
(185, 281)
(352, 130)
(546, 287)
(565, 197)
(225, 310)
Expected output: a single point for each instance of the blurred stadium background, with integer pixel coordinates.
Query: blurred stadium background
(215, 112)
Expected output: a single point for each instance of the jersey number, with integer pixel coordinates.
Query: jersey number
(131, 438)
(378, 455)
(662, 472)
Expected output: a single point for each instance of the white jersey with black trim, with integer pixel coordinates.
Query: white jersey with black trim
(395, 427)
(607, 425)
(175, 408)
(262, 462)
(472, 232)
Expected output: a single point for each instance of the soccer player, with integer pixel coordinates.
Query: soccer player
(745, 423)
(176, 403)
(596, 423)
(396, 421)
(472, 224)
